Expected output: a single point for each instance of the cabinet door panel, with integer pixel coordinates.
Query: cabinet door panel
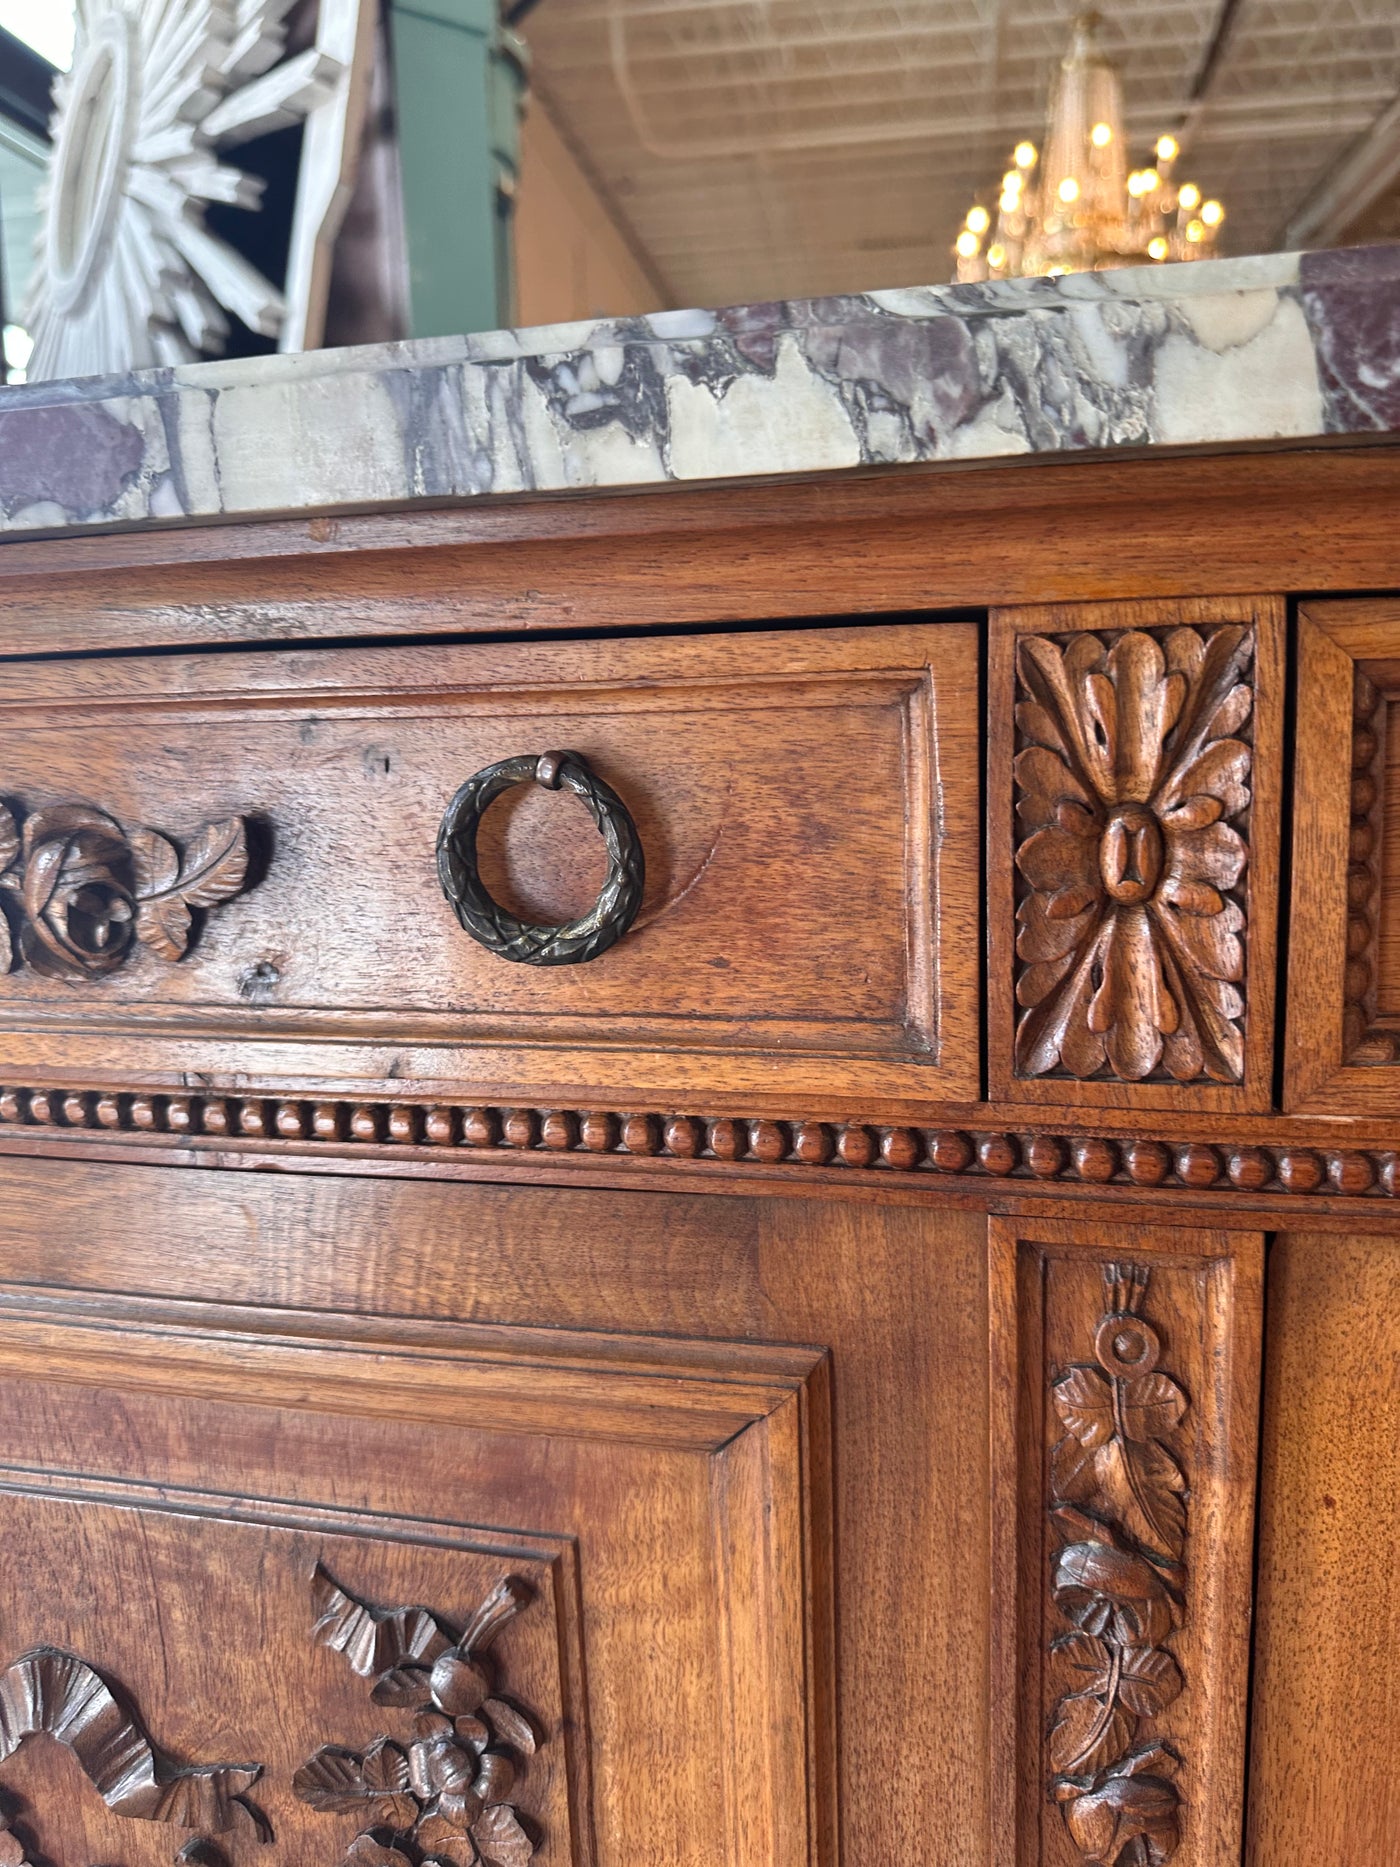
(265, 1479)
(333, 1393)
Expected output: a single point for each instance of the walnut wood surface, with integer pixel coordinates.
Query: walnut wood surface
(1311, 518)
(1327, 1666)
(341, 1249)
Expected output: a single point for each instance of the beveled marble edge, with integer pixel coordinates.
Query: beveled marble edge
(1281, 346)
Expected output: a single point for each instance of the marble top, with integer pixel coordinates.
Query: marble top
(1284, 346)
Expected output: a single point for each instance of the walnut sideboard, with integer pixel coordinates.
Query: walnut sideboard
(884, 1349)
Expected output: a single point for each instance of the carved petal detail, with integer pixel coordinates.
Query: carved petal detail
(1132, 798)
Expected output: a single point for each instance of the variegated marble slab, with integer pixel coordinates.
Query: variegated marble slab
(1276, 347)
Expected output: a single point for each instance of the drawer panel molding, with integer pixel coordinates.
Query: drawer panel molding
(808, 804)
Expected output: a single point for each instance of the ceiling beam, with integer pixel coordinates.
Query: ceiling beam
(1368, 169)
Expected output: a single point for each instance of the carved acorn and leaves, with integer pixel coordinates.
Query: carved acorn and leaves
(1119, 1502)
(79, 894)
(1132, 806)
(441, 1795)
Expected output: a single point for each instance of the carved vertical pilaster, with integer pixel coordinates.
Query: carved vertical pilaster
(1125, 1367)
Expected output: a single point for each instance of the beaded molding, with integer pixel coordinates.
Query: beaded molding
(429, 1129)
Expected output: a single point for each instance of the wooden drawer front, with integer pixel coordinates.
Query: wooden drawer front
(807, 805)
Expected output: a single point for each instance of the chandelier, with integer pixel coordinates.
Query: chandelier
(1074, 206)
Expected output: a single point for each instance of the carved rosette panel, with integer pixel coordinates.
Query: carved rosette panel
(1132, 801)
(50, 1691)
(440, 1795)
(1118, 1504)
(78, 893)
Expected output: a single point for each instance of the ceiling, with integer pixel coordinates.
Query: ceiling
(756, 149)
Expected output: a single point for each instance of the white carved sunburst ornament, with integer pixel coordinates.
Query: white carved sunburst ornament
(129, 275)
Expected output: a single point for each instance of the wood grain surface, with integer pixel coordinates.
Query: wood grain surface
(1327, 1663)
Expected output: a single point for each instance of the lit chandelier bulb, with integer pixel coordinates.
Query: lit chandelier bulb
(978, 219)
(1189, 196)
(1168, 149)
(1025, 155)
(967, 245)
(1212, 213)
(1068, 190)
(1101, 135)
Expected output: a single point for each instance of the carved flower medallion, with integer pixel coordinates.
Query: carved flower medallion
(1132, 802)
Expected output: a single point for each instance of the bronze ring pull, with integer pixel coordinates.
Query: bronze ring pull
(485, 920)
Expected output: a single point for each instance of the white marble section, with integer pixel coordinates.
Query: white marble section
(1225, 350)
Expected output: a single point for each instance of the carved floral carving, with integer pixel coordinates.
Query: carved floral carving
(1119, 1505)
(51, 1691)
(440, 1798)
(1132, 800)
(81, 891)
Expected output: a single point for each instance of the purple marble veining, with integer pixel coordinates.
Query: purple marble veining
(77, 456)
(1352, 302)
(1224, 351)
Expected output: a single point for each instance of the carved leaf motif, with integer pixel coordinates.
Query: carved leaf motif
(1088, 1733)
(1152, 1405)
(511, 1725)
(1112, 1592)
(1143, 1487)
(368, 1850)
(1149, 1680)
(1084, 1401)
(214, 868)
(336, 1781)
(9, 838)
(501, 1839)
(441, 1840)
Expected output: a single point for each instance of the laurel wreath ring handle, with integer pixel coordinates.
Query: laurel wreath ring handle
(485, 919)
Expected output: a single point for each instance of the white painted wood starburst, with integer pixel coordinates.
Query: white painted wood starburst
(128, 275)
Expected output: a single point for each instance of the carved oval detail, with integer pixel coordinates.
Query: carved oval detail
(1130, 855)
